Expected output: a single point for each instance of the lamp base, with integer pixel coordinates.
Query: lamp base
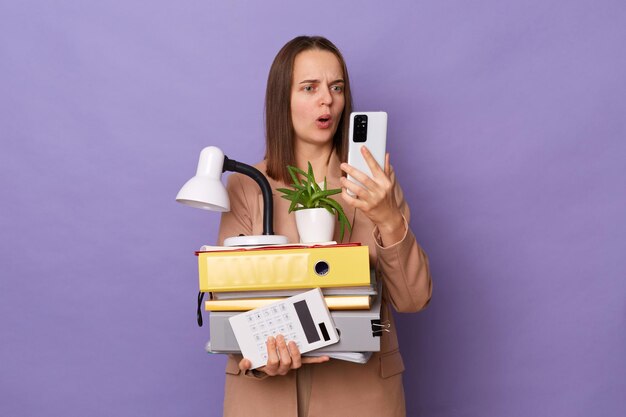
(260, 240)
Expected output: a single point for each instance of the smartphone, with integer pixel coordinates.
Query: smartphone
(369, 129)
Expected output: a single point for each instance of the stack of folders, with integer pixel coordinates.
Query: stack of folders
(240, 279)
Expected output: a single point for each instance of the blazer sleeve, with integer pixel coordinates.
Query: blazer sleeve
(404, 266)
(237, 221)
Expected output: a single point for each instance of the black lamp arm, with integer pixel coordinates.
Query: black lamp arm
(266, 190)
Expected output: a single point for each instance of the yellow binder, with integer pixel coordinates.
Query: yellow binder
(334, 302)
(273, 268)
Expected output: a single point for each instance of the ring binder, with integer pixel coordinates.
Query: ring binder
(282, 268)
(355, 328)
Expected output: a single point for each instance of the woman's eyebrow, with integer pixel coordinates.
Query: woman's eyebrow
(338, 81)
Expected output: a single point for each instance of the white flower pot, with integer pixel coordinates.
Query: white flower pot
(315, 225)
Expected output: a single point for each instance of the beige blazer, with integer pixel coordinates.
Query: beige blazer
(338, 388)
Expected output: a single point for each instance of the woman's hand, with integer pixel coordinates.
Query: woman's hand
(376, 197)
(281, 357)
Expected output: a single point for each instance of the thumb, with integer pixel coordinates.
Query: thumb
(244, 365)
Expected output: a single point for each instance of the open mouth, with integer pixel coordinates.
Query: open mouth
(323, 121)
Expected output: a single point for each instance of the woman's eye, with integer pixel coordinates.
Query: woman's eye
(308, 88)
(337, 88)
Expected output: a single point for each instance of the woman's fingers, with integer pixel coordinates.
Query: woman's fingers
(296, 358)
(374, 195)
(273, 361)
(315, 359)
(387, 165)
(284, 364)
(371, 162)
(365, 198)
(354, 188)
(357, 175)
(376, 183)
(282, 357)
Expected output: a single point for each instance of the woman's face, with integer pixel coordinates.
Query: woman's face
(317, 98)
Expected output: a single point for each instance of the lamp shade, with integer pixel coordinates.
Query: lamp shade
(205, 190)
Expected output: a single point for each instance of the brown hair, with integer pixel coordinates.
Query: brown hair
(279, 133)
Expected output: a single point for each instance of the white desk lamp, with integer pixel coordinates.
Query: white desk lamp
(206, 191)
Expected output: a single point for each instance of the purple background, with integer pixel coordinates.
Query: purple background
(507, 130)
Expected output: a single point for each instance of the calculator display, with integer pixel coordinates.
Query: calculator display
(306, 321)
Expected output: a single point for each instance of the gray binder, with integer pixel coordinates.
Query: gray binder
(359, 330)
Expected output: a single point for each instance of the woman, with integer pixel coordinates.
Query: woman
(308, 103)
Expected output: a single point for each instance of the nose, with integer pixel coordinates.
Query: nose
(326, 98)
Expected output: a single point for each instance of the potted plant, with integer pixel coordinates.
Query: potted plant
(315, 210)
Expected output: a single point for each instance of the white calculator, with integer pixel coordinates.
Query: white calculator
(303, 318)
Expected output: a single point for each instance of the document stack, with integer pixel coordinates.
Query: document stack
(240, 279)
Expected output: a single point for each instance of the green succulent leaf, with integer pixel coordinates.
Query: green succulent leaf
(343, 219)
(293, 172)
(322, 194)
(330, 209)
(286, 191)
(297, 170)
(295, 201)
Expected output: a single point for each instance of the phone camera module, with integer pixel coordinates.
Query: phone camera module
(360, 128)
